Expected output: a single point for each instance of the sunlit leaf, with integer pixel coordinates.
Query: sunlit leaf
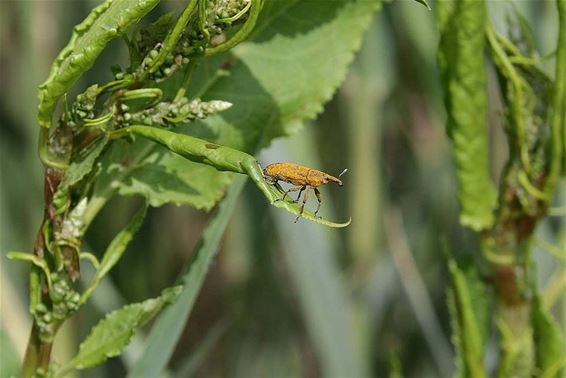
(221, 158)
(297, 57)
(112, 334)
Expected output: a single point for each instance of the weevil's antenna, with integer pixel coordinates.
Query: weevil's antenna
(344, 171)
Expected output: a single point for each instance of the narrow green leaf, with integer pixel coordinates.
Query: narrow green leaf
(559, 104)
(83, 165)
(549, 341)
(115, 251)
(105, 22)
(223, 159)
(112, 334)
(469, 316)
(298, 54)
(168, 327)
(173, 36)
(461, 58)
(38, 262)
(295, 208)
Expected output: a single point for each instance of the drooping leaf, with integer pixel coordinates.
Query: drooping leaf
(105, 22)
(112, 334)
(221, 158)
(167, 328)
(461, 59)
(468, 303)
(295, 60)
(550, 358)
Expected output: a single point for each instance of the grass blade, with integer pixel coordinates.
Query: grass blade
(325, 306)
(168, 327)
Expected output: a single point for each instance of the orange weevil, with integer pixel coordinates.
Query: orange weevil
(304, 179)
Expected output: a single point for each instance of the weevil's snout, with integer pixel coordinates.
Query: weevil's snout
(340, 175)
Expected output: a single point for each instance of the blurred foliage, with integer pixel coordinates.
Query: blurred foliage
(283, 299)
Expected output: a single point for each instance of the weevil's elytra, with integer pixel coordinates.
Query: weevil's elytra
(304, 179)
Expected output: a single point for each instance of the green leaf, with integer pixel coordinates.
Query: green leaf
(295, 208)
(297, 57)
(38, 262)
(115, 251)
(168, 327)
(468, 302)
(83, 165)
(223, 159)
(112, 334)
(461, 58)
(559, 104)
(549, 342)
(105, 22)
(161, 177)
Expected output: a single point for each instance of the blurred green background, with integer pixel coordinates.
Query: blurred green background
(282, 299)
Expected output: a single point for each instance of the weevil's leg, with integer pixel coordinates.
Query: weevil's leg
(294, 189)
(279, 188)
(300, 192)
(319, 198)
(305, 197)
(299, 188)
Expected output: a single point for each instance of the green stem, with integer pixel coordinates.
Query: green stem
(37, 354)
(44, 155)
(558, 121)
(172, 37)
(241, 34)
(517, 105)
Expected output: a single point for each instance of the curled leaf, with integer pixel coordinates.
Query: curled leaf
(107, 21)
(223, 159)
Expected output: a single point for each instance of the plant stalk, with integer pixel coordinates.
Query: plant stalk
(38, 354)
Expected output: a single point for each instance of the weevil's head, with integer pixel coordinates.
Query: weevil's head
(267, 176)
